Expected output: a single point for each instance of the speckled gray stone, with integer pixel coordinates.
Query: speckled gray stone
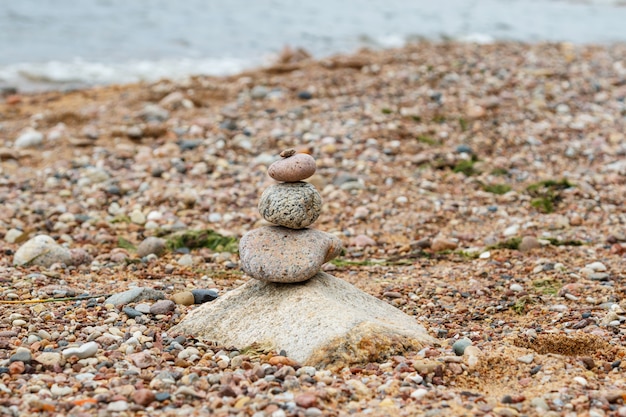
(292, 204)
(42, 250)
(280, 254)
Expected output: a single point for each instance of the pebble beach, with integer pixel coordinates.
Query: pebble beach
(477, 188)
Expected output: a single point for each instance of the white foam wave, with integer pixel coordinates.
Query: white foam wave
(79, 73)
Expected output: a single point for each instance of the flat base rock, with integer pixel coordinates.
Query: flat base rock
(322, 322)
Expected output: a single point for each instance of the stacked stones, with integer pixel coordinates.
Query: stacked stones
(288, 252)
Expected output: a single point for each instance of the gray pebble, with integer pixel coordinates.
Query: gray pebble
(134, 295)
(154, 113)
(295, 205)
(201, 296)
(150, 245)
(162, 307)
(131, 312)
(259, 92)
(459, 346)
(22, 355)
(529, 243)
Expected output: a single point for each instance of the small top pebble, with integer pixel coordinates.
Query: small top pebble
(293, 167)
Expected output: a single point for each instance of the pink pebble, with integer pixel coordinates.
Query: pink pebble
(294, 168)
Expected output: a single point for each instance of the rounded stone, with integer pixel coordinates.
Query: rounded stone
(162, 307)
(280, 254)
(202, 296)
(294, 168)
(83, 351)
(529, 243)
(42, 250)
(295, 205)
(460, 345)
(184, 298)
(151, 245)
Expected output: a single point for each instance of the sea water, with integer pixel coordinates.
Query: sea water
(57, 44)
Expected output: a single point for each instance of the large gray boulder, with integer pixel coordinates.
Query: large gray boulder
(322, 322)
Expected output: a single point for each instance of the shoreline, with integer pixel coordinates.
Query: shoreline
(478, 188)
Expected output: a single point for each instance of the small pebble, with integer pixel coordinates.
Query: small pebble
(131, 312)
(185, 298)
(526, 358)
(143, 397)
(459, 346)
(529, 243)
(297, 167)
(202, 296)
(22, 355)
(151, 245)
(86, 350)
(162, 307)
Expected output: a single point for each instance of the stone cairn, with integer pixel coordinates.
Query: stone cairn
(288, 252)
(291, 305)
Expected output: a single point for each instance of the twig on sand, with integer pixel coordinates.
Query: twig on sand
(52, 300)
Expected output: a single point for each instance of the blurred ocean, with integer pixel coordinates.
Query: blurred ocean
(58, 44)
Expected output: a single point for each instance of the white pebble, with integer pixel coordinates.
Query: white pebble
(511, 230)
(58, 391)
(215, 217)
(582, 381)
(87, 350)
(137, 217)
(419, 393)
(526, 358)
(516, 287)
(29, 138)
(154, 215)
(185, 260)
(117, 406)
(596, 266)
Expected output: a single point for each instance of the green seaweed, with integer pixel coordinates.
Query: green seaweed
(120, 218)
(386, 110)
(125, 244)
(544, 204)
(570, 242)
(497, 188)
(426, 140)
(520, 305)
(499, 172)
(463, 124)
(547, 286)
(206, 238)
(511, 243)
(339, 262)
(547, 194)
(438, 118)
(466, 166)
